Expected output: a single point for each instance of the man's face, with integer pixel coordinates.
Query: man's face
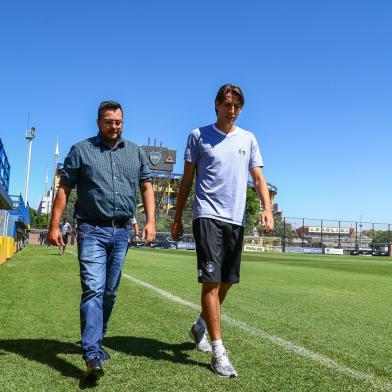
(110, 125)
(229, 109)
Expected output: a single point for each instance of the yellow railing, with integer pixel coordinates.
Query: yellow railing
(7, 248)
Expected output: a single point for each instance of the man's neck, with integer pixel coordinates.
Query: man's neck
(225, 127)
(110, 143)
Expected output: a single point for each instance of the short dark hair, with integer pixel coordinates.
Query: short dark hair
(108, 105)
(230, 88)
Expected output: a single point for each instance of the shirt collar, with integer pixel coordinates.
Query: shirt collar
(98, 141)
(233, 132)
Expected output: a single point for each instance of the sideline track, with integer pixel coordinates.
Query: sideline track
(287, 345)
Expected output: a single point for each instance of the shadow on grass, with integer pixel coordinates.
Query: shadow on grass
(46, 351)
(152, 349)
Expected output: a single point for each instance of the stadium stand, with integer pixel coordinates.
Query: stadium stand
(14, 215)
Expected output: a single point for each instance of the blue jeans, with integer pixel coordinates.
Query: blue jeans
(101, 252)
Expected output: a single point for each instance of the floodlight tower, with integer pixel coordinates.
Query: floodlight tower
(46, 192)
(30, 135)
(56, 161)
(56, 156)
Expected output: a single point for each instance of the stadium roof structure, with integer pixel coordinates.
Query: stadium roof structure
(20, 212)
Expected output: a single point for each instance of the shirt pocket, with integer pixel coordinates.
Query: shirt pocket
(130, 172)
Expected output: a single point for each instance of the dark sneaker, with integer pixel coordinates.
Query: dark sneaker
(200, 336)
(94, 369)
(221, 365)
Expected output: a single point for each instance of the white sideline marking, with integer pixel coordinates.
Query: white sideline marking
(287, 345)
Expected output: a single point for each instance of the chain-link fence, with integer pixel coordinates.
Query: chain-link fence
(299, 235)
(335, 236)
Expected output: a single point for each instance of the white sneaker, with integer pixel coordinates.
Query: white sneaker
(221, 365)
(200, 336)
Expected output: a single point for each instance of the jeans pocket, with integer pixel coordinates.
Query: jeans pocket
(85, 230)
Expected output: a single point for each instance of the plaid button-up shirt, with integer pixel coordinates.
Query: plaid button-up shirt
(106, 179)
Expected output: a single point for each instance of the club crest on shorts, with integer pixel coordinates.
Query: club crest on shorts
(242, 151)
(210, 266)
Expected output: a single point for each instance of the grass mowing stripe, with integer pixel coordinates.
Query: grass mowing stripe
(287, 345)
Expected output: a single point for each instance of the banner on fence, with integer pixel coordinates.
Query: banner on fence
(313, 250)
(299, 249)
(294, 249)
(253, 248)
(186, 245)
(333, 251)
(329, 230)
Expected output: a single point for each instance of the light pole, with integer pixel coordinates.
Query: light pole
(56, 161)
(30, 135)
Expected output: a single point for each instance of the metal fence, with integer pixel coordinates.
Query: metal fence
(4, 168)
(299, 235)
(335, 236)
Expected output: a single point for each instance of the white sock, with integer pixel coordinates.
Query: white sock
(217, 346)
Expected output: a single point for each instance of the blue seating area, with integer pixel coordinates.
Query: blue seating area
(18, 221)
(5, 169)
(14, 214)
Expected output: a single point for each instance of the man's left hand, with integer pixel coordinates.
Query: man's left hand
(149, 233)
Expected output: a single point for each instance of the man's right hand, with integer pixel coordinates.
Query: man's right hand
(54, 236)
(177, 230)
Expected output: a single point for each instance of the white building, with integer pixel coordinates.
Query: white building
(45, 205)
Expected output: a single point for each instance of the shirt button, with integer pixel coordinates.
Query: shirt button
(114, 164)
(114, 178)
(116, 193)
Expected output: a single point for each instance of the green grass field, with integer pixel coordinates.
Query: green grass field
(295, 323)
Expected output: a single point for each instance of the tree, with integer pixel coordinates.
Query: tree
(164, 223)
(282, 229)
(175, 187)
(160, 185)
(68, 213)
(378, 236)
(38, 221)
(252, 211)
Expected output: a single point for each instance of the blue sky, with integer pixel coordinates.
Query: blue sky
(316, 76)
